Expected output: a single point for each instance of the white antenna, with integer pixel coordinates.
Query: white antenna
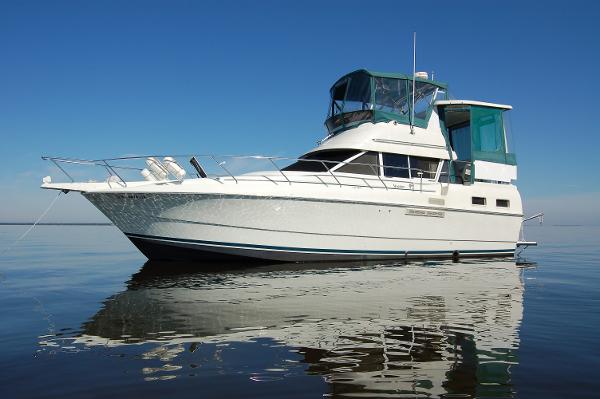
(412, 113)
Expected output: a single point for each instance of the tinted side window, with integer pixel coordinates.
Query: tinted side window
(366, 164)
(395, 165)
(478, 200)
(315, 165)
(503, 203)
(426, 165)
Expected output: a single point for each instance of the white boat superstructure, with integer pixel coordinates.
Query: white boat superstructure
(386, 182)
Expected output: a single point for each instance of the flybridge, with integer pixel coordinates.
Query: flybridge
(366, 96)
(474, 133)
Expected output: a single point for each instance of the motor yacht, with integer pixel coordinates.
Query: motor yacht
(403, 171)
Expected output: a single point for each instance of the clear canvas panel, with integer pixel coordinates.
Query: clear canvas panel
(487, 134)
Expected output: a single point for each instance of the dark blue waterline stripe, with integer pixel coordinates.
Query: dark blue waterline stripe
(318, 250)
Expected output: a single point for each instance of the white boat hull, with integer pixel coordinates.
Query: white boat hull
(238, 226)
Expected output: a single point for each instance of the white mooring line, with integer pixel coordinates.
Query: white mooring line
(22, 236)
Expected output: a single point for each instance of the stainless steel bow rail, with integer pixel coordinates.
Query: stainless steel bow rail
(116, 170)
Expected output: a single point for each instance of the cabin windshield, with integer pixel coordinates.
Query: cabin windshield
(320, 161)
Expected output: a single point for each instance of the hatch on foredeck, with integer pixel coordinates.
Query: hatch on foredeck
(366, 96)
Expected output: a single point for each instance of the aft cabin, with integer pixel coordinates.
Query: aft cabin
(476, 133)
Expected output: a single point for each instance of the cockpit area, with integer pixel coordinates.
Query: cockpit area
(366, 96)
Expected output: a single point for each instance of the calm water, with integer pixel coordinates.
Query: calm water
(84, 315)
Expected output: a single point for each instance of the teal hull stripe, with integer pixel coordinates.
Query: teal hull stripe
(318, 250)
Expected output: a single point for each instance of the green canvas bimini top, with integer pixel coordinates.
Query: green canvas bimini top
(391, 75)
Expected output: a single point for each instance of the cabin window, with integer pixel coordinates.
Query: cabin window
(365, 164)
(478, 200)
(404, 166)
(395, 165)
(502, 203)
(426, 165)
(312, 162)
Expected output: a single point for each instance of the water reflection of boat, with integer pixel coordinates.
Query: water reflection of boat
(420, 329)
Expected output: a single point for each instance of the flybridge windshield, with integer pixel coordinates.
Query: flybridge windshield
(395, 96)
(362, 96)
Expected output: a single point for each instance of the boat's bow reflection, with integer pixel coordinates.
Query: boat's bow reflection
(395, 329)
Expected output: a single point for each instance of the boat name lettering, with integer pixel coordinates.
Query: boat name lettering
(423, 212)
(131, 195)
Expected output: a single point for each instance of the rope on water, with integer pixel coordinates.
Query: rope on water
(32, 226)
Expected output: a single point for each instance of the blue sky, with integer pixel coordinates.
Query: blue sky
(107, 78)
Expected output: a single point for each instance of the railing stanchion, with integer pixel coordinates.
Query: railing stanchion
(62, 170)
(331, 173)
(322, 181)
(280, 171)
(111, 171)
(269, 179)
(378, 176)
(224, 168)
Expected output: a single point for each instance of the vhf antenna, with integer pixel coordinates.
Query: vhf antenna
(412, 111)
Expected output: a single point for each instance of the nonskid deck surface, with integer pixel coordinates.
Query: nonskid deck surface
(165, 248)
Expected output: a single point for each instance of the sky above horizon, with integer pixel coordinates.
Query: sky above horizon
(109, 78)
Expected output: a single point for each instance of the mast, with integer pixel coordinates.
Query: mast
(412, 111)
